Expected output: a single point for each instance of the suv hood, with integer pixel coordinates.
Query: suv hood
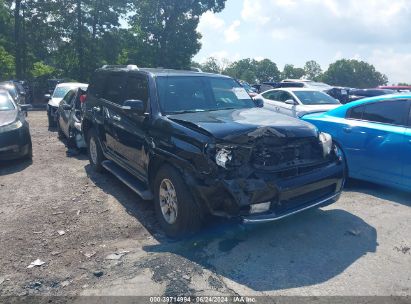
(7, 117)
(239, 126)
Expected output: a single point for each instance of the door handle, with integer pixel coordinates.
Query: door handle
(116, 118)
(347, 130)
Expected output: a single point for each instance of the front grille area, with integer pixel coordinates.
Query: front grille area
(305, 199)
(286, 153)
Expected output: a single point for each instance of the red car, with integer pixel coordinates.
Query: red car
(396, 88)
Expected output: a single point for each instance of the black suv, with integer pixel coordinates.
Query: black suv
(197, 144)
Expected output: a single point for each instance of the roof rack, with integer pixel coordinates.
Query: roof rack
(128, 67)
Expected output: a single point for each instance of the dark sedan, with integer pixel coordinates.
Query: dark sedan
(15, 139)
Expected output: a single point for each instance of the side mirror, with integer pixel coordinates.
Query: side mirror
(134, 106)
(259, 102)
(290, 102)
(25, 107)
(66, 107)
(47, 97)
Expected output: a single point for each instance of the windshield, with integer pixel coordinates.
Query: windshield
(11, 89)
(5, 102)
(60, 92)
(318, 85)
(201, 94)
(315, 98)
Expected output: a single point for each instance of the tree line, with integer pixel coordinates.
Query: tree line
(71, 38)
(344, 72)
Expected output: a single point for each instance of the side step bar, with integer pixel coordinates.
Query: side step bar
(128, 179)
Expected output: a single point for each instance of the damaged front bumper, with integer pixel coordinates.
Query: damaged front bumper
(284, 195)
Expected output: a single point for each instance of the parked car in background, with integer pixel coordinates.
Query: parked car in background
(198, 144)
(357, 94)
(266, 86)
(52, 83)
(250, 90)
(297, 102)
(54, 100)
(15, 139)
(375, 136)
(400, 89)
(16, 91)
(309, 84)
(69, 117)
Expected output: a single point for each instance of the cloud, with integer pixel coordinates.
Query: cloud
(345, 21)
(397, 65)
(210, 21)
(232, 34)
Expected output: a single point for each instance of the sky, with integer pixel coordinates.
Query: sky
(295, 31)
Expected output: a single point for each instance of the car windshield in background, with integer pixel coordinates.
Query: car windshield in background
(201, 94)
(319, 85)
(315, 98)
(61, 92)
(5, 103)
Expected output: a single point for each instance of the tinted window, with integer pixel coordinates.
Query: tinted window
(389, 112)
(273, 95)
(137, 88)
(284, 96)
(355, 113)
(114, 88)
(98, 84)
(69, 96)
(315, 98)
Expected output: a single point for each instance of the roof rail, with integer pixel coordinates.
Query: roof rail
(128, 67)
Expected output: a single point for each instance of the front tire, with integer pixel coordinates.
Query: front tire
(95, 153)
(177, 212)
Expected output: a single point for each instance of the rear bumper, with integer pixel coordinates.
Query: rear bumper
(15, 144)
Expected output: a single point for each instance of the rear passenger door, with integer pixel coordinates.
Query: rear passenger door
(374, 140)
(271, 100)
(405, 157)
(131, 130)
(112, 101)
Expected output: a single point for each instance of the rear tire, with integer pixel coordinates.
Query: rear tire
(95, 153)
(177, 212)
(52, 123)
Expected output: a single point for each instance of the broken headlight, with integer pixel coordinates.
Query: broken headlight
(231, 156)
(326, 142)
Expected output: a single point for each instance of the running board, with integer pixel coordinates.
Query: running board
(128, 179)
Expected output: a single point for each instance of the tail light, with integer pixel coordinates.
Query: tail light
(83, 98)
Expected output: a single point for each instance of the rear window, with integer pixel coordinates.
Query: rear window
(97, 84)
(5, 102)
(387, 112)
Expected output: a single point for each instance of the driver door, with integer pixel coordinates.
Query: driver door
(287, 109)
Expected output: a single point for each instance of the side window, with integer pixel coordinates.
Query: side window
(388, 112)
(97, 85)
(271, 95)
(114, 88)
(137, 88)
(285, 96)
(355, 113)
(67, 99)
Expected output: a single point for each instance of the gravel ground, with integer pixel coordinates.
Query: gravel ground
(112, 244)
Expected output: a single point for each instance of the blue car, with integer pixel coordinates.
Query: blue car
(375, 136)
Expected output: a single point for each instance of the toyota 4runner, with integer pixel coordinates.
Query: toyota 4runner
(197, 144)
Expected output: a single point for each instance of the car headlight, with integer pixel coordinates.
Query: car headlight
(13, 126)
(327, 143)
(231, 156)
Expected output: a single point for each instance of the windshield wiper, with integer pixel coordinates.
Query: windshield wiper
(185, 111)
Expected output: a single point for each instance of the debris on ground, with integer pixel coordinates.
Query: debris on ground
(117, 255)
(2, 279)
(61, 232)
(65, 283)
(35, 285)
(403, 249)
(37, 263)
(98, 273)
(90, 254)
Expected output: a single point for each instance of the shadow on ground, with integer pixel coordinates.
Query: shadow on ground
(302, 250)
(381, 192)
(14, 166)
